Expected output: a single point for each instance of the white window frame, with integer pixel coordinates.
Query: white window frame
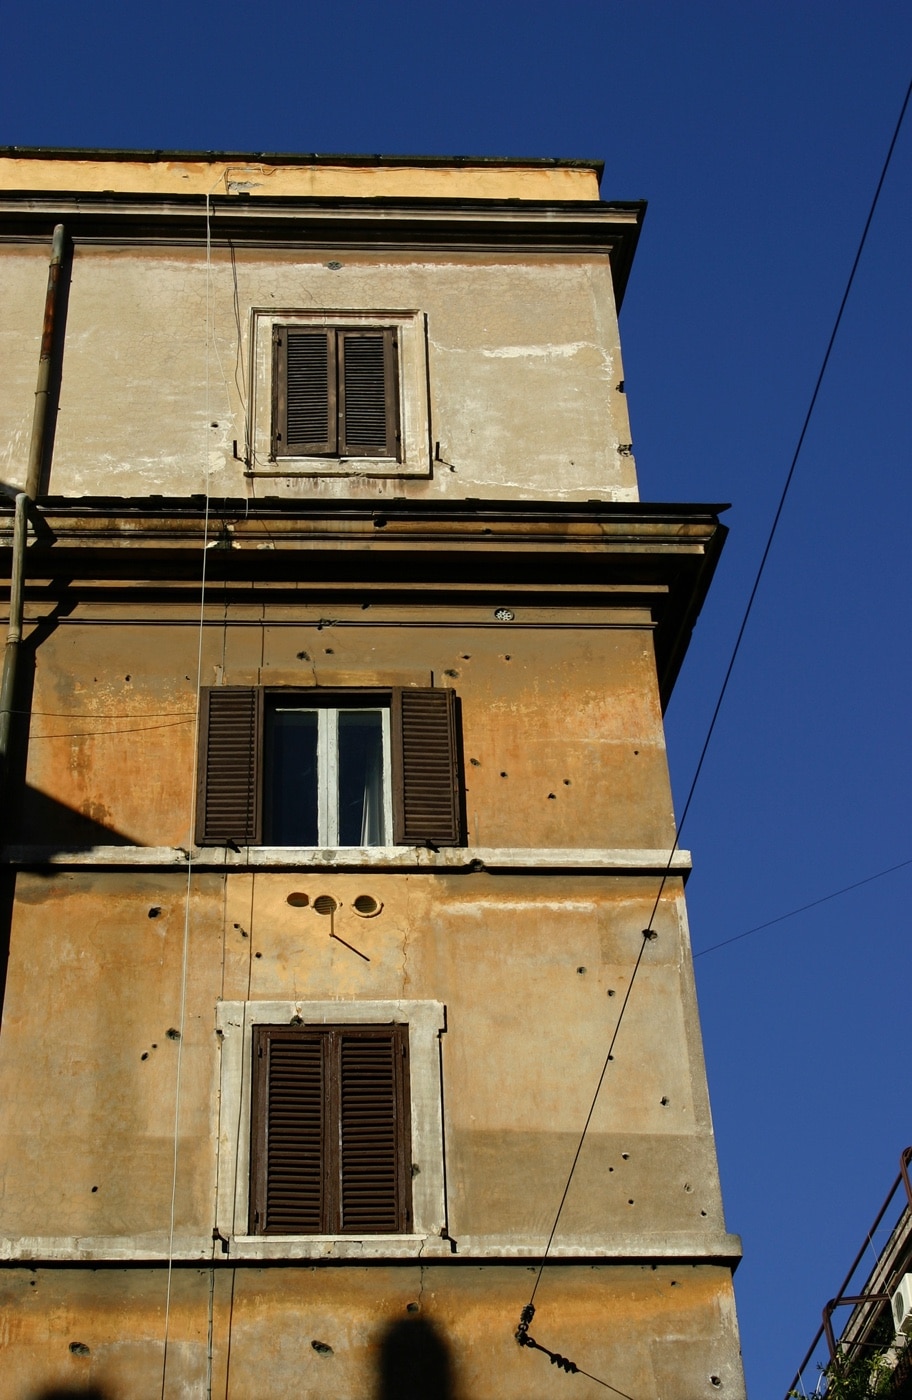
(414, 410)
(235, 1020)
(328, 769)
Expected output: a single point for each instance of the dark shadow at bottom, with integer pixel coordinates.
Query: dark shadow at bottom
(414, 1363)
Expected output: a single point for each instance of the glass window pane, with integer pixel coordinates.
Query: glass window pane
(290, 797)
(360, 778)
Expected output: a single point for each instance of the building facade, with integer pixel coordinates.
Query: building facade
(336, 796)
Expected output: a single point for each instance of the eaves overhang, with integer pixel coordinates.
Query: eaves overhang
(656, 557)
(302, 223)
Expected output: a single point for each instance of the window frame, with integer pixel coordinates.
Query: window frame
(408, 410)
(424, 1023)
(425, 783)
(328, 765)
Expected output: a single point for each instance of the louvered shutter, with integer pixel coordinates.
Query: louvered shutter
(425, 778)
(330, 1132)
(305, 420)
(228, 801)
(372, 1164)
(368, 404)
(289, 1130)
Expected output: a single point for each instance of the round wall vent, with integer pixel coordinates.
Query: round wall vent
(297, 899)
(366, 906)
(325, 904)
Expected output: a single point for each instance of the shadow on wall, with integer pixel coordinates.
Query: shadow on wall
(44, 821)
(414, 1363)
(72, 1392)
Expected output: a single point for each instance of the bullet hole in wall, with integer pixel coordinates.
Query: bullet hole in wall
(552, 797)
(329, 651)
(303, 655)
(567, 782)
(144, 1055)
(155, 1046)
(258, 955)
(172, 1033)
(663, 1101)
(625, 1156)
(503, 775)
(467, 656)
(412, 1307)
(581, 970)
(323, 1348)
(475, 762)
(715, 1380)
(155, 911)
(611, 991)
(127, 678)
(636, 753)
(94, 1189)
(79, 1349)
(630, 1202)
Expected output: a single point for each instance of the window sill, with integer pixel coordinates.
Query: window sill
(620, 861)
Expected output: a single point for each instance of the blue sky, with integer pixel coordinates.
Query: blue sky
(756, 132)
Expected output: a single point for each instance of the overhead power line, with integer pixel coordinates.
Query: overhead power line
(648, 932)
(824, 898)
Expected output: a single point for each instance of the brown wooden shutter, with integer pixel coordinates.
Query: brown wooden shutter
(425, 776)
(373, 1163)
(289, 1149)
(228, 798)
(330, 1131)
(368, 399)
(304, 377)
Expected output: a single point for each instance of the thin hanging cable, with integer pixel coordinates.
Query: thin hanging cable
(193, 777)
(648, 931)
(802, 908)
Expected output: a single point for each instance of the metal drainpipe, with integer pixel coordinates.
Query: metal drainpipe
(24, 498)
(14, 634)
(40, 417)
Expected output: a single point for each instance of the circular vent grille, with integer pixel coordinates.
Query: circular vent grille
(366, 905)
(324, 904)
(297, 900)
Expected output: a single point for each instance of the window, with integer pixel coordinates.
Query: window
(330, 1131)
(330, 1125)
(336, 392)
(328, 768)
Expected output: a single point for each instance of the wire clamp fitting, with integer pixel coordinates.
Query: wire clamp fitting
(562, 1363)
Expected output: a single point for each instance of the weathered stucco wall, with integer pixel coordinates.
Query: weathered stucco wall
(664, 1333)
(561, 722)
(523, 372)
(532, 974)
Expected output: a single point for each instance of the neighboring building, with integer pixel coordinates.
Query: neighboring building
(874, 1306)
(335, 490)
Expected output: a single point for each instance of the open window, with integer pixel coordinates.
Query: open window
(311, 768)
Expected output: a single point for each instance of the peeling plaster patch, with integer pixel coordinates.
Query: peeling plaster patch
(550, 352)
(568, 906)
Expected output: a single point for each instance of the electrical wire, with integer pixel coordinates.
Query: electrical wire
(192, 805)
(648, 932)
(802, 908)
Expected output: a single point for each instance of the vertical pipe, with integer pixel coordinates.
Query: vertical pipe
(40, 417)
(14, 633)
